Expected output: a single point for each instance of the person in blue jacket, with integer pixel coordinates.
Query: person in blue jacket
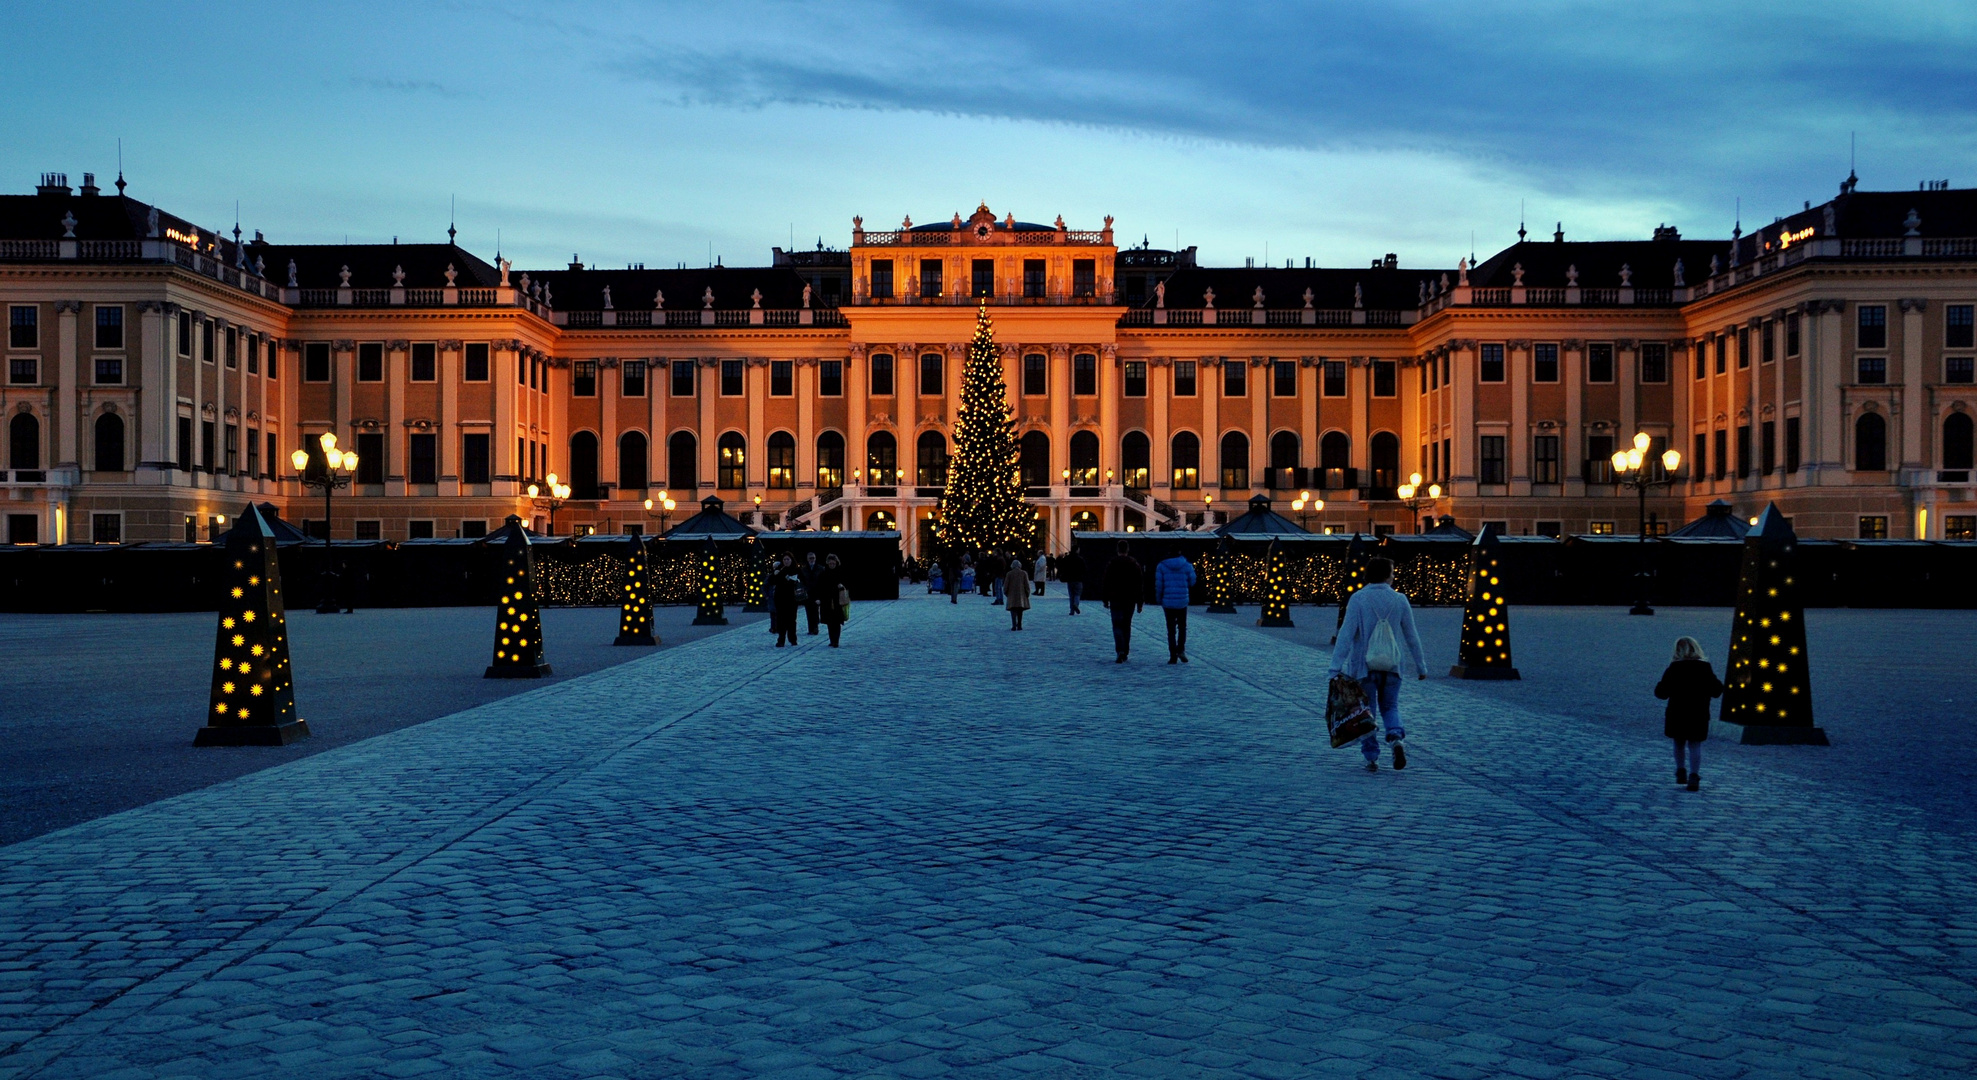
(1171, 581)
(1377, 634)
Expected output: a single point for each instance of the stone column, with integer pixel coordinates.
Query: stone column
(857, 385)
(1462, 405)
(806, 425)
(1161, 380)
(1778, 399)
(951, 375)
(157, 411)
(1915, 413)
(1259, 418)
(1828, 376)
(1210, 371)
(1308, 380)
(446, 426)
(395, 432)
(1359, 403)
(757, 389)
(1057, 383)
(67, 386)
(707, 389)
(1626, 369)
(1517, 448)
(610, 385)
(658, 460)
(1108, 414)
(1572, 364)
(197, 451)
(343, 369)
(504, 361)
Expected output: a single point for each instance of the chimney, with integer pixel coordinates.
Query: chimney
(53, 183)
(89, 184)
(575, 263)
(1392, 261)
(1667, 232)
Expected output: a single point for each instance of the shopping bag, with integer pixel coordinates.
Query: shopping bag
(1348, 715)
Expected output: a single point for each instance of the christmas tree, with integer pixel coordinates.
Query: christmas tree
(1768, 688)
(635, 610)
(982, 509)
(253, 699)
(1276, 590)
(1355, 577)
(518, 615)
(1485, 651)
(711, 612)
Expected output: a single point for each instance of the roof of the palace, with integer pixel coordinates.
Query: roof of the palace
(1949, 212)
(1380, 287)
(320, 266)
(97, 217)
(1651, 263)
(733, 287)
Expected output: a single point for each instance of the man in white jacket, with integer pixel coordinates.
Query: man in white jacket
(1378, 627)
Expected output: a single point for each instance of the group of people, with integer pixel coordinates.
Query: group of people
(1009, 578)
(810, 588)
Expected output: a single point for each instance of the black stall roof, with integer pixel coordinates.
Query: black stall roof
(1258, 520)
(712, 520)
(1719, 521)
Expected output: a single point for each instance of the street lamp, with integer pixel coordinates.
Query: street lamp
(1305, 502)
(552, 495)
(665, 507)
(1630, 470)
(1207, 509)
(339, 468)
(1409, 490)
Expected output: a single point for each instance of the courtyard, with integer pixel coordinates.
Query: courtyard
(949, 849)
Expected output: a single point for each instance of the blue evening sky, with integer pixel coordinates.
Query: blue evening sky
(660, 132)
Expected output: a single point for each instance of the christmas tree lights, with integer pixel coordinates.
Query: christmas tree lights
(711, 612)
(518, 614)
(1217, 572)
(635, 607)
(756, 589)
(982, 508)
(1485, 651)
(1276, 590)
(1767, 691)
(253, 698)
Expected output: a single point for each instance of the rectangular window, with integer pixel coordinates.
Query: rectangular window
(24, 327)
(1490, 465)
(233, 348)
(1768, 342)
(1654, 362)
(1033, 279)
(425, 362)
(1743, 451)
(370, 457)
(931, 383)
(1722, 454)
(274, 356)
(1873, 370)
(473, 529)
(731, 378)
(682, 378)
(253, 345)
(1544, 459)
(1184, 378)
(23, 370)
(931, 273)
(631, 378)
(418, 530)
(253, 452)
(1084, 277)
(1544, 363)
(1036, 375)
(422, 462)
(110, 326)
(316, 361)
(1957, 369)
(106, 528)
(474, 459)
(1235, 378)
(1599, 363)
(232, 447)
(984, 277)
(209, 445)
(1283, 378)
(881, 375)
(1957, 330)
(370, 364)
(1743, 347)
(1702, 357)
(1873, 327)
(1873, 527)
(1084, 374)
(1599, 459)
(1699, 461)
(1767, 437)
(583, 378)
(474, 362)
(1791, 444)
(184, 334)
(830, 378)
(881, 279)
(1334, 378)
(1491, 364)
(207, 351)
(1602, 528)
(782, 378)
(1385, 375)
(1448, 457)
(185, 444)
(1135, 378)
(1959, 527)
(1553, 529)
(273, 460)
(1792, 334)
(524, 371)
(371, 528)
(1722, 354)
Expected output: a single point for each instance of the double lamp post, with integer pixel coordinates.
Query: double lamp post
(1632, 468)
(339, 468)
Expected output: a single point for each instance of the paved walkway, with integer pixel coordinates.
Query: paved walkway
(951, 850)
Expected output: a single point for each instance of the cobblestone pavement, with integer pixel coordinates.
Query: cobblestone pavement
(952, 850)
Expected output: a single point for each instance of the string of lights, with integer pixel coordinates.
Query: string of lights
(1485, 649)
(518, 613)
(1768, 682)
(982, 508)
(253, 692)
(635, 610)
(1276, 590)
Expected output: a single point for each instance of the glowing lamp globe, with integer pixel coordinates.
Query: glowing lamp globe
(1414, 479)
(648, 504)
(1671, 460)
(1641, 441)
(328, 441)
(1317, 504)
(349, 461)
(533, 491)
(1434, 491)
(1406, 491)
(300, 459)
(1620, 461)
(670, 504)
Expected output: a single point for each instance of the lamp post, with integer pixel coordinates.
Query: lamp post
(1305, 506)
(1408, 493)
(339, 468)
(1630, 470)
(552, 495)
(665, 508)
(1207, 510)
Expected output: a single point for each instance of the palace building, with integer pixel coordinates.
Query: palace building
(160, 374)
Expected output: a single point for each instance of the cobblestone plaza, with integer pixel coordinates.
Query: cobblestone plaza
(948, 849)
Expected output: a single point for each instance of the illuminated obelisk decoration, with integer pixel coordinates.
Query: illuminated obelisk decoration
(253, 700)
(1767, 688)
(1485, 652)
(1276, 589)
(635, 603)
(711, 612)
(518, 616)
(757, 598)
(1355, 577)
(1220, 581)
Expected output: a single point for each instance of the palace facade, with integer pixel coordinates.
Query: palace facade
(160, 374)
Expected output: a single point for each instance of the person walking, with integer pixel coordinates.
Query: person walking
(1016, 590)
(807, 587)
(783, 602)
(833, 595)
(1378, 626)
(1071, 571)
(995, 567)
(1123, 595)
(1039, 570)
(1171, 581)
(1687, 686)
(950, 571)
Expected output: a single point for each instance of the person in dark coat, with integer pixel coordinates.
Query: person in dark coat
(807, 587)
(782, 601)
(829, 581)
(950, 574)
(1123, 593)
(1071, 571)
(1687, 686)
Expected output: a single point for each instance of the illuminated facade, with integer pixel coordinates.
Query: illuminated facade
(160, 374)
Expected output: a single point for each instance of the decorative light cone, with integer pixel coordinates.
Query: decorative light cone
(635, 605)
(1356, 554)
(982, 507)
(1276, 589)
(1767, 694)
(1220, 580)
(711, 612)
(757, 581)
(253, 699)
(1485, 652)
(518, 615)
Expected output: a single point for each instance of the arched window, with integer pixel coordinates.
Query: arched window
(1283, 461)
(632, 473)
(1084, 521)
(110, 442)
(1235, 461)
(583, 465)
(930, 460)
(782, 460)
(683, 464)
(24, 441)
(1870, 443)
(1034, 461)
(1084, 459)
(1136, 460)
(730, 466)
(881, 459)
(830, 460)
(1386, 460)
(1956, 441)
(1335, 461)
(1187, 461)
(880, 521)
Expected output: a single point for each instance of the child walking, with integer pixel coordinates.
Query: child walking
(1687, 686)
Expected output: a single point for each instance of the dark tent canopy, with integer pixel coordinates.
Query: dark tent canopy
(711, 521)
(1719, 521)
(1260, 520)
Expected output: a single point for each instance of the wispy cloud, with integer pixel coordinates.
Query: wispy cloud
(405, 86)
